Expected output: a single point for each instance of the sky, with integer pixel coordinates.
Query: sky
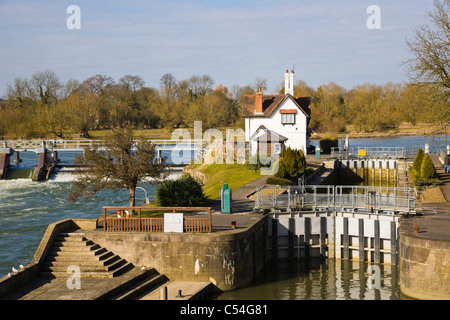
(232, 41)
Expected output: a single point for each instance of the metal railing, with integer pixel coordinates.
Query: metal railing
(369, 152)
(79, 145)
(152, 224)
(336, 198)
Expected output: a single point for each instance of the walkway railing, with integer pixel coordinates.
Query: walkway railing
(369, 152)
(149, 224)
(336, 198)
(79, 145)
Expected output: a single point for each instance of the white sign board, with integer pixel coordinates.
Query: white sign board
(173, 222)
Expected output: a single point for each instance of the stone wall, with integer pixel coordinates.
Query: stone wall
(424, 263)
(229, 259)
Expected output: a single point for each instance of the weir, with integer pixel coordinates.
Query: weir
(182, 151)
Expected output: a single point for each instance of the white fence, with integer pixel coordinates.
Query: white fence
(79, 145)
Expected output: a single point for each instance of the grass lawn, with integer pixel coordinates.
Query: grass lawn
(235, 175)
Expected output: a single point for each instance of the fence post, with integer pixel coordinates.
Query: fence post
(104, 219)
(139, 220)
(210, 220)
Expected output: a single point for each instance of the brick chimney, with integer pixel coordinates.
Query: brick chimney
(258, 102)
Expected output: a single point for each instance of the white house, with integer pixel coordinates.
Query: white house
(272, 120)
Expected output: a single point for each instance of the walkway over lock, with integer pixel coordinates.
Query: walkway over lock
(369, 152)
(336, 198)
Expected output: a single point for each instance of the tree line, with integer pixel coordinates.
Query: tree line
(44, 107)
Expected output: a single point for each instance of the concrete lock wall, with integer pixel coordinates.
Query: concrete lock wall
(424, 265)
(380, 172)
(341, 235)
(229, 260)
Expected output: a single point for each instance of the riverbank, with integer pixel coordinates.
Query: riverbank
(402, 130)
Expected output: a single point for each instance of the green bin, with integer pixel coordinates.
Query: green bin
(317, 152)
(225, 199)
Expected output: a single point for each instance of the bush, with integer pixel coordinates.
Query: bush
(427, 170)
(257, 162)
(428, 182)
(182, 192)
(291, 163)
(418, 160)
(278, 181)
(327, 143)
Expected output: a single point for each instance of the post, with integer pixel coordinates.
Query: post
(274, 238)
(104, 219)
(323, 231)
(361, 239)
(139, 220)
(393, 243)
(377, 241)
(346, 238)
(307, 236)
(210, 220)
(163, 293)
(291, 231)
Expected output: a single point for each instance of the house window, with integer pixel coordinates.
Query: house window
(288, 118)
(277, 148)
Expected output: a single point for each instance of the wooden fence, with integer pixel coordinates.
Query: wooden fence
(144, 224)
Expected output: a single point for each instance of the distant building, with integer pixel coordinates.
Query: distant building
(274, 120)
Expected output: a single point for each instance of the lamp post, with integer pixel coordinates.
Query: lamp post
(146, 201)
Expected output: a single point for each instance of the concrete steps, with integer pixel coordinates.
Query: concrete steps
(73, 249)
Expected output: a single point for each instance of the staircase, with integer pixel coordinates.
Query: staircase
(73, 249)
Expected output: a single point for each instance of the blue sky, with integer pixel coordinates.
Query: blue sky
(232, 41)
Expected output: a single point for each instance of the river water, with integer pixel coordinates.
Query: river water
(27, 208)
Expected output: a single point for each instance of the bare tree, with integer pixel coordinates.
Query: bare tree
(430, 63)
(46, 85)
(124, 163)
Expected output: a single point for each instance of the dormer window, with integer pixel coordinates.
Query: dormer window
(288, 116)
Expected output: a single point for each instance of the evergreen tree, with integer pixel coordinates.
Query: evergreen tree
(427, 170)
(292, 163)
(418, 160)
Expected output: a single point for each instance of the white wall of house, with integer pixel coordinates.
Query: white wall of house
(296, 133)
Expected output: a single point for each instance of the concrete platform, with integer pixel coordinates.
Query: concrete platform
(190, 290)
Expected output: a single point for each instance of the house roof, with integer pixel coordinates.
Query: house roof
(268, 136)
(271, 103)
(271, 136)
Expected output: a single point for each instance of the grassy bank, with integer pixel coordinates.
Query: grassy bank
(235, 175)
(406, 129)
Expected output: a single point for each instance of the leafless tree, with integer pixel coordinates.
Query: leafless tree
(124, 163)
(430, 48)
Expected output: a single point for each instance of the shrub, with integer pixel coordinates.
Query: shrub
(327, 143)
(257, 161)
(182, 192)
(291, 163)
(427, 170)
(418, 160)
(278, 181)
(428, 182)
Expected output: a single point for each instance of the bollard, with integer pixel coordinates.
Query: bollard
(179, 294)
(416, 228)
(233, 224)
(163, 293)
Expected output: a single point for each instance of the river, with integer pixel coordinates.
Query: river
(27, 208)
